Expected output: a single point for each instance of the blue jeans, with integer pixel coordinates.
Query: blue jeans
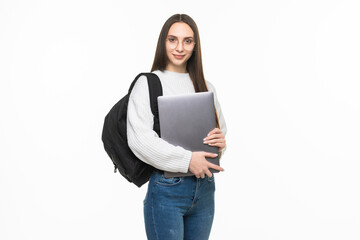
(179, 208)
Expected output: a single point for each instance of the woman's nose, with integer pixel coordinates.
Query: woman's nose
(180, 47)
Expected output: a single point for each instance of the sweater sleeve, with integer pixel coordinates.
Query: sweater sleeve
(144, 141)
(222, 122)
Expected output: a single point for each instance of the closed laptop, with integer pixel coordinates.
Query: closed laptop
(185, 120)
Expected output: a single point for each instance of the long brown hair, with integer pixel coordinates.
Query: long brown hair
(194, 64)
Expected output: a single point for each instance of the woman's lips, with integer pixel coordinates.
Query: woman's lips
(178, 56)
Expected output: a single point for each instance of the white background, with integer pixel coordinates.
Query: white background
(287, 76)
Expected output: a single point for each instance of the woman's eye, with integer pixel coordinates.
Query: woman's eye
(188, 41)
(171, 39)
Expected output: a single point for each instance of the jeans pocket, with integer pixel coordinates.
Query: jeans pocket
(211, 179)
(162, 180)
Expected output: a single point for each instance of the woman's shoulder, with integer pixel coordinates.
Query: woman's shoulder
(158, 73)
(142, 80)
(140, 88)
(211, 87)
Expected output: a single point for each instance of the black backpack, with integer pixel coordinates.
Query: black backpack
(114, 134)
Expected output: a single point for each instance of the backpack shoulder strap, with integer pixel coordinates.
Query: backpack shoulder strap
(155, 90)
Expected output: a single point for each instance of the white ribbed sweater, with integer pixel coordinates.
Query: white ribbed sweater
(143, 140)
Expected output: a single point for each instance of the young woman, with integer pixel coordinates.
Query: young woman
(181, 207)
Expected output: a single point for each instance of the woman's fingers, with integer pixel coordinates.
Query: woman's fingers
(200, 167)
(214, 131)
(214, 134)
(216, 167)
(219, 142)
(215, 138)
(208, 173)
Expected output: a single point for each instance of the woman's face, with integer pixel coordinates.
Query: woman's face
(179, 46)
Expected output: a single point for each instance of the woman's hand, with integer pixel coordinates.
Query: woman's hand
(216, 138)
(199, 166)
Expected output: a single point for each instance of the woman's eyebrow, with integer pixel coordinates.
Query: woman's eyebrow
(177, 37)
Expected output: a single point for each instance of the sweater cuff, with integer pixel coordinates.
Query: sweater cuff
(222, 152)
(186, 161)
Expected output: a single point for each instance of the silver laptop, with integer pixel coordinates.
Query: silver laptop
(185, 120)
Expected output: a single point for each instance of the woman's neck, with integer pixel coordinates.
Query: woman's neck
(174, 68)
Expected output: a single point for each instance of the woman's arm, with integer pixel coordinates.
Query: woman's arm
(217, 136)
(144, 141)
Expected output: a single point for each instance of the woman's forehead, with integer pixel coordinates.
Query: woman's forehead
(180, 29)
